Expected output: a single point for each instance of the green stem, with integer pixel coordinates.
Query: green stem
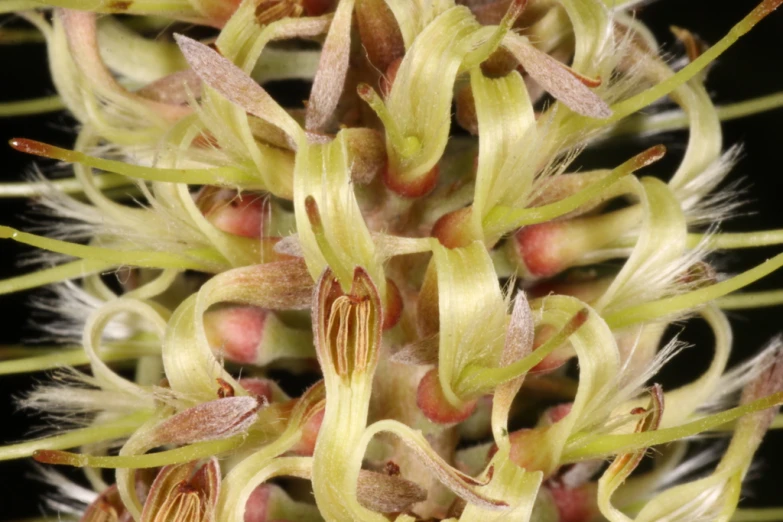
(680, 303)
(64, 272)
(181, 455)
(71, 357)
(678, 120)
(477, 380)
(758, 515)
(136, 7)
(605, 445)
(500, 220)
(635, 103)
(12, 6)
(32, 106)
(726, 241)
(229, 176)
(100, 432)
(751, 300)
(141, 258)
(31, 189)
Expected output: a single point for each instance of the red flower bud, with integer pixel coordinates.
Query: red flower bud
(251, 335)
(432, 402)
(574, 504)
(242, 215)
(453, 229)
(413, 188)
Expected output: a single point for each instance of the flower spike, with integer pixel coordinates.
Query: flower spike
(279, 195)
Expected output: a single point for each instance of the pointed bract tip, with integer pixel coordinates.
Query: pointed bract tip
(365, 92)
(578, 320)
(57, 457)
(27, 146)
(763, 9)
(313, 215)
(649, 156)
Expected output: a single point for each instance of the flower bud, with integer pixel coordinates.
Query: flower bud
(411, 188)
(454, 229)
(574, 504)
(557, 358)
(547, 249)
(241, 215)
(379, 33)
(251, 335)
(310, 429)
(433, 403)
(264, 390)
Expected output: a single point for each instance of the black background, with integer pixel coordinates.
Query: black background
(751, 68)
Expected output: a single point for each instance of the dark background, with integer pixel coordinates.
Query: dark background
(751, 68)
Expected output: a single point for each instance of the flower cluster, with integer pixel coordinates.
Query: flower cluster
(486, 323)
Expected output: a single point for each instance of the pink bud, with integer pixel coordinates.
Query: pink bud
(257, 507)
(546, 249)
(453, 229)
(262, 389)
(543, 250)
(268, 503)
(306, 444)
(574, 505)
(411, 188)
(237, 331)
(433, 403)
(557, 413)
(241, 215)
(252, 335)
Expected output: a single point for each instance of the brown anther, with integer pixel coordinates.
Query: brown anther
(268, 11)
(225, 390)
(694, 46)
(391, 468)
(699, 275)
(184, 488)
(120, 5)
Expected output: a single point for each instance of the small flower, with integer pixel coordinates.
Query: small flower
(184, 492)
